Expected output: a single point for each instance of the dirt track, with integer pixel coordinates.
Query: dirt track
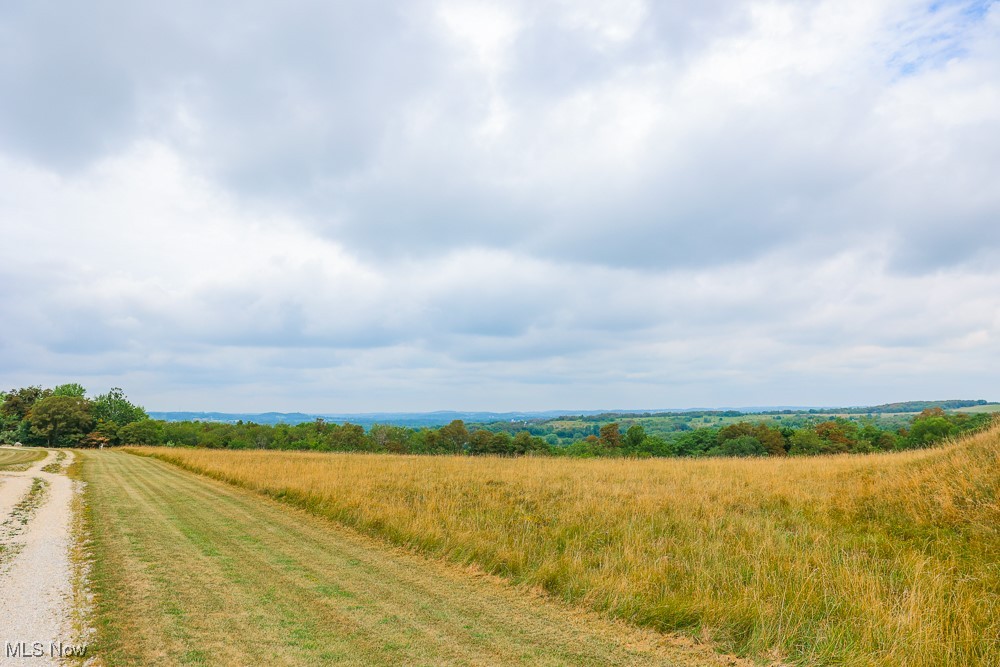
(35, 569)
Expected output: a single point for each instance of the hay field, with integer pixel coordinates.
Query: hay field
(186, 570)
(881, 559)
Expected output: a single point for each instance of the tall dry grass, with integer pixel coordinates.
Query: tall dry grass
(886, 559)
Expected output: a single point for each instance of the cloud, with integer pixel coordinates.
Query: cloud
(465, 204)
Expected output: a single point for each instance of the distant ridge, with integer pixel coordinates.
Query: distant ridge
(412, 419)
(441, 417)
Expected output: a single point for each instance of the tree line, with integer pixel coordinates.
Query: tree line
(64, 416)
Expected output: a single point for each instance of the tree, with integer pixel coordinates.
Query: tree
(930, 429)
(634, 436)
(18, 402)
(696, 442)
(61, 420)
(524, 442)
(395, 439)
(611, 436)
(655, 446)
(106, 433)
(347, 437)
(480, 442)
(806, 442)
(454, 436)
(94, 440)
(145, 432)
(72, 389)
(744, 445)
(771, 438)
(840, 436)
(115, 407)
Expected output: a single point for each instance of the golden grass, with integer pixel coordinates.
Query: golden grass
(882, 559)
(187, 570)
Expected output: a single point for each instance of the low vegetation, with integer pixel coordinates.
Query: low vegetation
(17, 521)
(882, 559)
(56, 466)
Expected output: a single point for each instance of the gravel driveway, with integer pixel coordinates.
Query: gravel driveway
(35, 569)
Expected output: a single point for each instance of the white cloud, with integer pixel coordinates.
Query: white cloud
(477, 205)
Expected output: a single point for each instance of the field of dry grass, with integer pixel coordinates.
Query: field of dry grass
(186, 570)
(882, 559)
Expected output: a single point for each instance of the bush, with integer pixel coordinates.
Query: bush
(744, 445)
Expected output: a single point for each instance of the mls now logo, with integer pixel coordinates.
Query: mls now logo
(37, 650)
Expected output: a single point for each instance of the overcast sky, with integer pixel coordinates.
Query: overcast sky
(367, 206)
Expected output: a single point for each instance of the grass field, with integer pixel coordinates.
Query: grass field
(19, 459)
(883, 559)
(990, 407)
(188, 570)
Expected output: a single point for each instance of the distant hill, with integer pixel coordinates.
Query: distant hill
(440, 418)
(914, 406)
(233, 417)
(410, 419)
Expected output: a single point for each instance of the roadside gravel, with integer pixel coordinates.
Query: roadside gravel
(35, 567)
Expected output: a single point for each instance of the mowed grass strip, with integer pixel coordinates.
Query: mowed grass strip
(19, 459)
(878, 560)
(188, 570)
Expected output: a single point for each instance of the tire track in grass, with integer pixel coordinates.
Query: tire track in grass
(193, 571)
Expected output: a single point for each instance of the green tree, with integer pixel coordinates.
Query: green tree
(634, 436)
(387, 438)
(483, 442)
(144, 432)
(347, 437)
(696, 442)
(17, 403)
(61, 420)
(72, 389)
(454, 437)
(771, 438)
(656, 446)
(115, 407)
(806, 442)
(929, 430)
(744, 445)
(524, 443)
(480, 442)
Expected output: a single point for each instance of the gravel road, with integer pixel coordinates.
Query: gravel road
(35, 568)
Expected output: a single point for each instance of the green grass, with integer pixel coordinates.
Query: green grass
(19, 459)
(989, 408)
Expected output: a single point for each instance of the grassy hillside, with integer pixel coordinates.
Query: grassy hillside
(882, 559)
(975, 409)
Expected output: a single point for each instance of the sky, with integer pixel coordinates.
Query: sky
(523, 205)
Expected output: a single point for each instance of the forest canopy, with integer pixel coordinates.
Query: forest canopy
(64, 416)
